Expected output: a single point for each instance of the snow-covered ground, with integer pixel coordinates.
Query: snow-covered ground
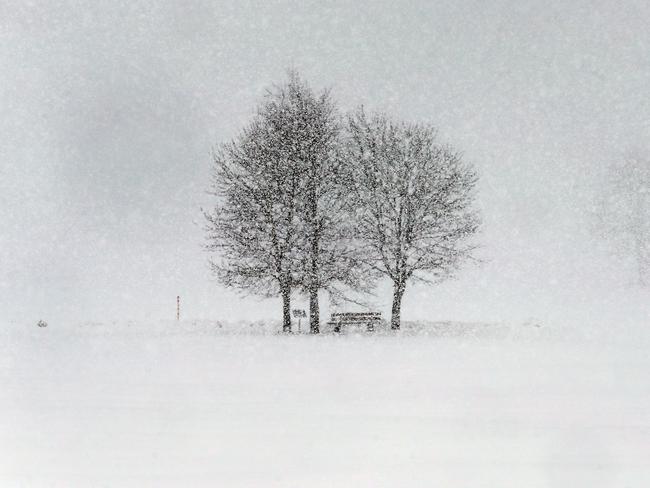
(203, 404)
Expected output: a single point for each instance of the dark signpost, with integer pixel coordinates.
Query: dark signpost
(299, 314)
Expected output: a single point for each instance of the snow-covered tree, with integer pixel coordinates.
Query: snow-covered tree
(414, 201)
(281, 222)
(254, 228)
(311, 133)
(624, 213)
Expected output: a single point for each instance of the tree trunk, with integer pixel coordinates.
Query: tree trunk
(286, 310)
(398, 293)
(314, 312)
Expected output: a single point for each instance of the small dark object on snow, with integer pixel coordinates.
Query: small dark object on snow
(41, 323)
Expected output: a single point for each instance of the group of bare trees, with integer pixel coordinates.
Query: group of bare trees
(309, 200)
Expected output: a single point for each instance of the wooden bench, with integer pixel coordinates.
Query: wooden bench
(369, 319)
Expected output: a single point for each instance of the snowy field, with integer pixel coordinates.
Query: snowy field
(444, 405)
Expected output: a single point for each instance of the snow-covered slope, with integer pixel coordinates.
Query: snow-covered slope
(209, 404)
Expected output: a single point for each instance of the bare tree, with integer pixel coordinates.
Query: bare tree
(414, 202)
(327, 259)
(254, 228)
(281, 223)
(624, 212)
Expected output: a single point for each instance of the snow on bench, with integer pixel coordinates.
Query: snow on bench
(369, 319)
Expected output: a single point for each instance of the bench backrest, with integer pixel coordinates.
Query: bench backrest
(356, 316)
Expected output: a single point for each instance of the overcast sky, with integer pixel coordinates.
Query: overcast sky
(110, 109)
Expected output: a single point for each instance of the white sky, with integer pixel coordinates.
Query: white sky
(109, 111)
